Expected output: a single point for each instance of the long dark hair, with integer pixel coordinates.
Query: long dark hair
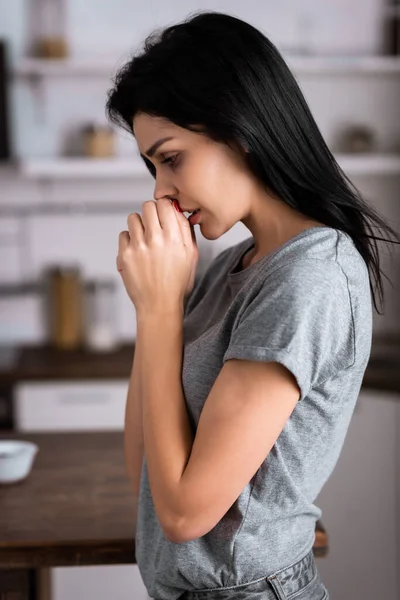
(217, 75)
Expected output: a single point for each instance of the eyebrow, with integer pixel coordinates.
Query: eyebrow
(155, 146)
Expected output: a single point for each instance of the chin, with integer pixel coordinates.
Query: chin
(216, 230)
(210, 235)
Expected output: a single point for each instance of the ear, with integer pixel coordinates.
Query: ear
(244, 149)
(241, 149)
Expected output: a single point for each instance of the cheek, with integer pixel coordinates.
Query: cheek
(201, 182)
(217, 178)
(210, 180)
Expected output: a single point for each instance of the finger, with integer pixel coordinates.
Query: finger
(118, 264)
(123, 243)
(184, 226)
(136, 228)
(187, 231)
(167, 218)
(193, 234)
(151, 221)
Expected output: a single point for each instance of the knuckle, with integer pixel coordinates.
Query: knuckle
(124, 260)
(140, 245)
(132, 216)
(157, 240)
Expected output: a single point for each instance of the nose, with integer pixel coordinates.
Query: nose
(163, 188)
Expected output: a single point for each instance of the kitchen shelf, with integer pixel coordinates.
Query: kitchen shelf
(344, 64)
(105, 67)
(132, 167)
(39, 67)
(78, 168)
(369, 164)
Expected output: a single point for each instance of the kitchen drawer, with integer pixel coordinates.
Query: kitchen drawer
(66, 406)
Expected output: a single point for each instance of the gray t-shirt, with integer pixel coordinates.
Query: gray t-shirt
(307, 305)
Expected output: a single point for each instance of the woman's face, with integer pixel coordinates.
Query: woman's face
(197, 172)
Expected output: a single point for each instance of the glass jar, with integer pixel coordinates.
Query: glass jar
(100, 315)
(98, 141)
(64, 294)
(47, 24)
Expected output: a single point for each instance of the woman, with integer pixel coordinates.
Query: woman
(242, 388)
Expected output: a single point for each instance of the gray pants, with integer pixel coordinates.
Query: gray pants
(300, 581)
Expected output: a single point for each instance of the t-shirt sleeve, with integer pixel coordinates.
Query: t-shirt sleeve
(299, 316)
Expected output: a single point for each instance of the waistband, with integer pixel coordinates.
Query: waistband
(278, 585)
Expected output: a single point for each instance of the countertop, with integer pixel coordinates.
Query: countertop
(75, 507)
(46, 363)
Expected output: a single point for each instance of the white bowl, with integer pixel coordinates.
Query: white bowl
(16, 460)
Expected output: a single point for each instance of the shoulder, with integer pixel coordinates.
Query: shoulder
(301, 279)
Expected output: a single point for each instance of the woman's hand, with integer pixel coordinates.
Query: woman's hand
(157, 258)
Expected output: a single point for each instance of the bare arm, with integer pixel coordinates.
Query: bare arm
(168, 437)
(133, 433)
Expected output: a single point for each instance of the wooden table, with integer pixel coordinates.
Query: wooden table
(75, 508)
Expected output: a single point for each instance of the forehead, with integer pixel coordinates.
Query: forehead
(148, 129)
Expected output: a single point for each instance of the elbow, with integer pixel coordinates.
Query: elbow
(177, 536)
(180, 531)
(174, 530)
(185, 523)
(172, 536)
(177, 529)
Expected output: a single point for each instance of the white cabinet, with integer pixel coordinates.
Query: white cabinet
(86, 405)
(360, 505)
(10, 250)
(66, 406)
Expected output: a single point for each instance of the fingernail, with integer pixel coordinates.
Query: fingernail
(176, 206)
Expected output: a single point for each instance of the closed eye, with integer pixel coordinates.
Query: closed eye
(170, 160)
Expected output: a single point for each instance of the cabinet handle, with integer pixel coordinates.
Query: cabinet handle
(84, 398)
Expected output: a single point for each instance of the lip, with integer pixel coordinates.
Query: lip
(193, 220)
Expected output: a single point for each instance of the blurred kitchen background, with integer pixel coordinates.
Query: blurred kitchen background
(67, 183)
